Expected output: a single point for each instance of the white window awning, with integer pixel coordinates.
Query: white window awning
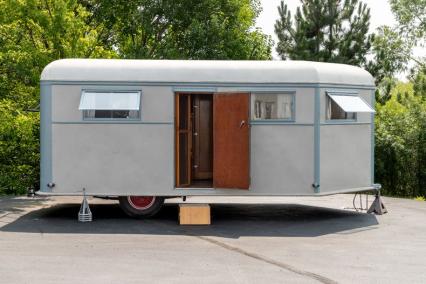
(351, 103)
(110, 101)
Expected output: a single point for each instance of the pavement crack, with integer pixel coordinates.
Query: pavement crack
(3, 214)
(314, 276)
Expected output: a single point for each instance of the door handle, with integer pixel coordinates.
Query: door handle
(243, 122)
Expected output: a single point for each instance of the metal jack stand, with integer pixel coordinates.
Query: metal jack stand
(378, 207)
(30, 192)
(84, 215)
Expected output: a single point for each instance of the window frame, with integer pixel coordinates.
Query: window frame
(327, 106)
(292, 119)
(138, 118)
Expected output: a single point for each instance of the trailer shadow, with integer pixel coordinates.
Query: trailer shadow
(13, 204)
(228, 221)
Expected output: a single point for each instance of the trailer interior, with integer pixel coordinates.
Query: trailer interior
(194, 140)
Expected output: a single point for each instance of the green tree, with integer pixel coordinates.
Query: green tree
(392, 47)
(35, 32)
(391, 54)
(184, 29)
(19, 149)
(419, 80)
(411, 16)
(419, 87)
(325, 30)
(401, 107)
(32, 34)
(400, 142)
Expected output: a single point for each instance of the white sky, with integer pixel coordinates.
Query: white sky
(381, 14)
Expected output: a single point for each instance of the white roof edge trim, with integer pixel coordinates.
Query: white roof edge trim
(109, 101)
(351, 103)
(205, 71)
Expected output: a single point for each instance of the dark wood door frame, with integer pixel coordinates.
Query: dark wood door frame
(182, 130)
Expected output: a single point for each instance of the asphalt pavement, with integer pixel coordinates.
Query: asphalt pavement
(251, 240)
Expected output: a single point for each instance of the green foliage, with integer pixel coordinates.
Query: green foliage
(420, 198)
(35, 32)
(391, 54)
(400, 142)
(184, 29)
(32, 34)
(392, 47)
(19, 147)
(337, 31)
(384, 89)
(419, 80)
(401, 107)
(411, 16)
(325, 30)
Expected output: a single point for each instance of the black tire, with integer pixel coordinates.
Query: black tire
(147, 207)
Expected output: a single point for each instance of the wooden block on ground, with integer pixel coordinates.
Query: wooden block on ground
(194, 214)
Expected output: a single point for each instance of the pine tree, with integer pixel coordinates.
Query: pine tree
(325, 30)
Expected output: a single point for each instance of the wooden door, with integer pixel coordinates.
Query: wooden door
(202, 146)
(183, 139)
(231, 165)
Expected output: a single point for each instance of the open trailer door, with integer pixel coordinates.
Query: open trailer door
(231, 166)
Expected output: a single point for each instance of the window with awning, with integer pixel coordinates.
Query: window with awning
(110, 105)
(346, 106)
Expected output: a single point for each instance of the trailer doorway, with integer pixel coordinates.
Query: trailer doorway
(194, 140)
(212, 140)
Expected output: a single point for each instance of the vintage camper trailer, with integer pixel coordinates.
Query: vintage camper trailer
(145, 130)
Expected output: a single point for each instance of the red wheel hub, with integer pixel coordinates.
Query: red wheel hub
(141, 202)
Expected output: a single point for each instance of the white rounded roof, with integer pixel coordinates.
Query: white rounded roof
(204, 71)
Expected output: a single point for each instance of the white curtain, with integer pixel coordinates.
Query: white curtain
(110, 101)
(272, 106)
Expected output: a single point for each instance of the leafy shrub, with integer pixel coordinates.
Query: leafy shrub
(401, 141)
(19, 149)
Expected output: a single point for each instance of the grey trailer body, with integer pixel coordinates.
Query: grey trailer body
(306, 153)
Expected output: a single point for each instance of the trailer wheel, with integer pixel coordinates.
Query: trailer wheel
(141, 206)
